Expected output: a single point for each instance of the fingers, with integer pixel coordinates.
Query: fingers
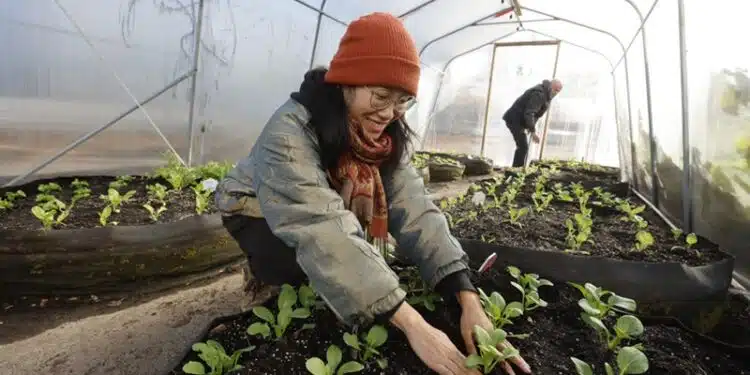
(507, 368)
(468, 337)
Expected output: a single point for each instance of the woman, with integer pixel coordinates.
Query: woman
(331, 168)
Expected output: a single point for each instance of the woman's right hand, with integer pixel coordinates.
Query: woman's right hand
(430, 344)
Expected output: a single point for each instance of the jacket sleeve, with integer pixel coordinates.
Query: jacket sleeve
(422, 233)
(534, 104)
(304, 212)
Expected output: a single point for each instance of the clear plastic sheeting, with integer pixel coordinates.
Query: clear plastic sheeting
(621, 80)
(719, 115)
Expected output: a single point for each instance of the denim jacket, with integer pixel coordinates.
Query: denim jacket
(282, 179)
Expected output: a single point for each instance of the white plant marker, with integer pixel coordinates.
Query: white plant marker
(487, 264)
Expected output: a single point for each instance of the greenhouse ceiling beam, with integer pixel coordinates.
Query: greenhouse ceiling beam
(687, 194)
(511, 22)
(320, 11)
(415, 9)
(317, 34)
(197, 32)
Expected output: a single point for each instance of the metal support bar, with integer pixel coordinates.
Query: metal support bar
(472, 23)
(94, 132)
(573, 44)
(530, 43)
(649, 111)
(330, 17)
(512, 22)
(487, 101)
(549, 110)
(194, 79)
(125, 87)
(617, 123)
(413, 10)
(687, 186)
(317, 34)
(635, 35)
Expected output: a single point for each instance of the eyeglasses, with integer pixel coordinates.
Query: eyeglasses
(379, 100)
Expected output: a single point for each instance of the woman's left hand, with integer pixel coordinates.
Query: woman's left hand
(472, 314)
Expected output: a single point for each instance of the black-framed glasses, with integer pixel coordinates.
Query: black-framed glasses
(379, 100)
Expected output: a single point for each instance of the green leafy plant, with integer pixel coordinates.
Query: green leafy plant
(630, 360)
(214, 355)
(214, 169)
(115, 200)
(690, 240)
(644, 240)
(579, 231)
(51, 212)
(541, 200)
(487, 346)
(80, 190)
(499, 312)
(286, 302)
(632, 214)
(202, 198)
(157, 193)
(154, 213)
(120, 182)
(528, 284)
(104, 216)
(515, 215)
(176, 174)
(561, 193)
(10, 198)
(593, 302)
(418, 292)
(367, 348)
(334, 357)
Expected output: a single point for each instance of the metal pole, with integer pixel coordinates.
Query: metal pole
(489, 95)
(94, 132)
(194, 79)
(546, 116)
(317, 34)
(634, 166)
(652, 139)
(687, 191)
(620, 151)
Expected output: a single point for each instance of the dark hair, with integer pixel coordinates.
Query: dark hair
(328, 114)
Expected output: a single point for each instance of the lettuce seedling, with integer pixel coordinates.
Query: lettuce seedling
(630, 361)
(515, 215)
(499, 312)
(80, 190)
(541, 200)
(115, 199)
(528, 284)
(154, 213)
(10, 198)
(201, 198)
(214, 355)
(157, 192)
(418, 292)
(489, 355)
(593, 302)
(562, 193)
(286, 302)
(367, 348)
(643, 240)
(52, 211)
(316, 366)
(579, 231)
(627, 327)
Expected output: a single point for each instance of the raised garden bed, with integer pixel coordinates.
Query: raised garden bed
(107, 235)
(568, 324)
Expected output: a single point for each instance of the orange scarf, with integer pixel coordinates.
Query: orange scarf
(357, 179)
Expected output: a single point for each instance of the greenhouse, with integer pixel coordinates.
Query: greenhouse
(619, 246)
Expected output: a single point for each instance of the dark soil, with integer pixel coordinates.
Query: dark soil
(85, 214)
(555, 334)
(612, 237)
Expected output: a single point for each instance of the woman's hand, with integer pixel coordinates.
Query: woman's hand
(472, 314)
(430, 344)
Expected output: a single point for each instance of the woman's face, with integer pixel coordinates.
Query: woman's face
(375, 107)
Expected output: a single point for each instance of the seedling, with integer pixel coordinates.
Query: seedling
(157, 192)
(10, 198)
(80, 190)
(214, 355)
(643, 240)
(630, 360)
(104, 215)
(631, 213)
(419, 293)
(593, 302)
(606, 198)
(176, 174)
(542, 200)
(489, 355)
(515, 215)
(367, 348)
(154, 213)
(201, 198)
(115, 199)
(286, 302)
(528, 284)
(499, 312)
(316, 366)
(120, 182)
(579, 231)
(626, 327)
(214, 169)
(51, 212)
(690, 240)
(562, 194)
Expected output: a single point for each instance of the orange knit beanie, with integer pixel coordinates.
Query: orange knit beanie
(376, 50)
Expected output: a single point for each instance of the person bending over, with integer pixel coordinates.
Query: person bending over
(327, 180)
(522, 116)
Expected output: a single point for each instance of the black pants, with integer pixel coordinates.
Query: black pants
(271, 261)
(522, 144)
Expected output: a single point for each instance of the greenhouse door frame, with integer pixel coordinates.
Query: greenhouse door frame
(495, 46)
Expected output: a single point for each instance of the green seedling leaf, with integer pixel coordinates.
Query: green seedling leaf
(586, 306)
(629, 326)
(300, 313)
(474, 361)
(631, 361)
(514, 309)
(334, 357)
(691, 239)
(350, 367)
(287, 297)
(194, 368)
(316, 366)
(258, 328)
(608, 369)
(377, 336)
(582, 368)
(264, 313)
(624, 303)
(351, 340)
(306, 296)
